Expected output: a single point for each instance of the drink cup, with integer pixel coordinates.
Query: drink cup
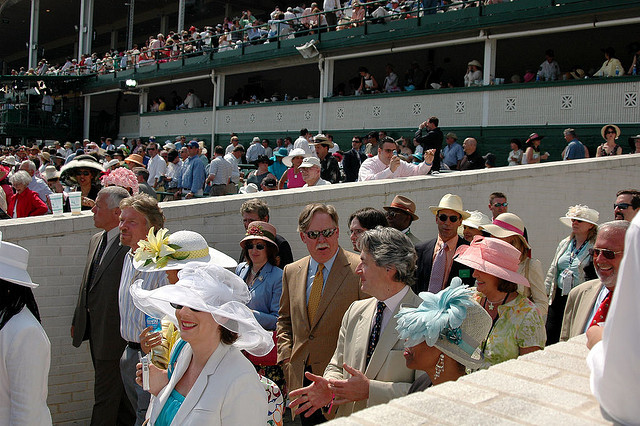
(75, 200)
(56, 203)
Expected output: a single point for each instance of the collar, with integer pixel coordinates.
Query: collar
(392, 302)
(313, 264)
(451, 243)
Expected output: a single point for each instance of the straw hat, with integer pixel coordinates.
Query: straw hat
(9, 160)
(50, 172)
(400, 202)
(492, 256)
(163, 252)
(85, 161)
(476, 220)
(450, 202)
(212, 289)
(581, 213)
(136, 159)
(297, 152)
(45, 156)
(321, 139)
(260, 231)
(13, 264)
(310, 162)
(249, 189)
(506, 225)
(449, 320)
(616, 128)
(476, 63)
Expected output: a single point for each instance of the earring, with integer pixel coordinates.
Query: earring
(439, 367)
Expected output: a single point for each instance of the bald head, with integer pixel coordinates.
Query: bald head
(469, 145)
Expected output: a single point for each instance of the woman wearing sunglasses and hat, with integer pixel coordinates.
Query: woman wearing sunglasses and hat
(25, 351)
(83, 173)
(567, 267)
(610, 133)
(442, 335)
(212, 383)
(517, 326)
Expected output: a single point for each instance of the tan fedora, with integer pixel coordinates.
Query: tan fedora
(400, 202)
(450, 202)
(136, 159)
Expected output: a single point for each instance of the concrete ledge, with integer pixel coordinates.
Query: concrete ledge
(545, 387)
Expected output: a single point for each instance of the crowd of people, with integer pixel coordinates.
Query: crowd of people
(229, 347)
(182, 169)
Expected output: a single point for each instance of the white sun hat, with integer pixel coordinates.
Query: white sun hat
(581, 213)
(163, 252)
(296, 152)
(212, 289)
(13, 264)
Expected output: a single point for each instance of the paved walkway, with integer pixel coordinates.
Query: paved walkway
(546, 387)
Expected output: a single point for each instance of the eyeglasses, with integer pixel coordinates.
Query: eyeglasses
(259, 246)
(621, 206)
(610, 131)
(452, 218)
(393, 213)
(505, 204)
(83, 173)
(151, 149)
(325, 233)
(608, 254)
(178, 307)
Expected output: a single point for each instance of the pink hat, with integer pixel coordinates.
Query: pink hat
(492, 256)
(122, 177)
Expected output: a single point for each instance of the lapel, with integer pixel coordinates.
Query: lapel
(260, 280)
(388, 338)
(334, 282)
(93, 246)
(299, 290)
(586, 304)
(201, 382)
(108, 257)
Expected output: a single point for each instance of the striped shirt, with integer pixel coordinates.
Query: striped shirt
(131, 318)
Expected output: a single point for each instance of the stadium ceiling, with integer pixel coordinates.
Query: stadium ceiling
(59, 20)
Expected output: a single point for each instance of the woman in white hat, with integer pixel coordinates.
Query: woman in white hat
(610, 133)
(474, 225)
(171, 253)
(442, 335)
(567, 267)
(211, 383)
(473, 77)
(25, 351)
(517, 327)
(510, 228)
(292, 178)
(83, 172)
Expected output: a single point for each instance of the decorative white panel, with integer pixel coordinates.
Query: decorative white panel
(187, 123)
(271, 118)
(510, 105)
(630, 100)
(566, 102)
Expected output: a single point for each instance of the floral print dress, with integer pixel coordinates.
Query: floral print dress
(518, 325)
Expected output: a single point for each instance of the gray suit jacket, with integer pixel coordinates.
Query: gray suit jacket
(388, 374)
(578, 309)
(99, 306)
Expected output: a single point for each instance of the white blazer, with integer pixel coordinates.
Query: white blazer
(25, 354)
(227, 392)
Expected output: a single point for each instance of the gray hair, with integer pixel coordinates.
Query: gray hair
(390, 247)
(30, 165)
(20, 177)
(614, 225)
(113, 195)
(569, 131)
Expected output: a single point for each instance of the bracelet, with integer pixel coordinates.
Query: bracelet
(428, 164)
(327, 408)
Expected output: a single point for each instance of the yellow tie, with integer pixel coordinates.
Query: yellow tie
(316, 293)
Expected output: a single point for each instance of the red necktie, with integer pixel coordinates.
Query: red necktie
(603, 309)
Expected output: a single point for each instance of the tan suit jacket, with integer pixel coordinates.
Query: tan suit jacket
(579, 306)
(388, 374)
(313, 344)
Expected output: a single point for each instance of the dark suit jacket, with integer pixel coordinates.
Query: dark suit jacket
(100, 309)
(351, 165)
(425, 260)
(433, 139)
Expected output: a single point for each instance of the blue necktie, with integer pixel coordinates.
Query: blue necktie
(375, 332)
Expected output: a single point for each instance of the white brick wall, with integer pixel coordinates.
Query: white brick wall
(540, 194)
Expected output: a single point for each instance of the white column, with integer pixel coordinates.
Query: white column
(87, 116)
(215, 80)
(85, 29)
(143, 100)
(130, 24)
(180, 15)
(489, 62)
(321, 67)
(33, 33)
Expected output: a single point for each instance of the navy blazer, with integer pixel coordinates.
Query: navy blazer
(425, 261)
(265, 293)
(351, 164)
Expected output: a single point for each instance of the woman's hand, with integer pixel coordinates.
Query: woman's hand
(88, 202)
(149, 340)
(158, 378)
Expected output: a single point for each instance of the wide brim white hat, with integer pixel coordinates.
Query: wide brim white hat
(13, 264)
(210, 289)
(581, 213)
(477, 220)
(450, 202)
(297, 152)
(505, 225)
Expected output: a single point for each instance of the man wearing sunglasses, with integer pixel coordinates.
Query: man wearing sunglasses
(316, 292)
(435, 266)
(627, 204)
(498, 204)
(588, 303)
(156, 166)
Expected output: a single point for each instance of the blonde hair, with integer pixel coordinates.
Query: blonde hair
(147, 206)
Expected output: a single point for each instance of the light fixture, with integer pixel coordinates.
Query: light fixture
(131, 83)
(309, 49)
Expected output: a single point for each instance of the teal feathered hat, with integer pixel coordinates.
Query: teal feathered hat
(450, 320)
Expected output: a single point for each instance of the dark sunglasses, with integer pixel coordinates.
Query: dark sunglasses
(505, 204)
(608, 254)
(610, 131)
(151, 149)
(452, 218)
(621, 206)
(258, 246)
(83, 173)
(393, 213)
(325, 233)
(178, 307)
